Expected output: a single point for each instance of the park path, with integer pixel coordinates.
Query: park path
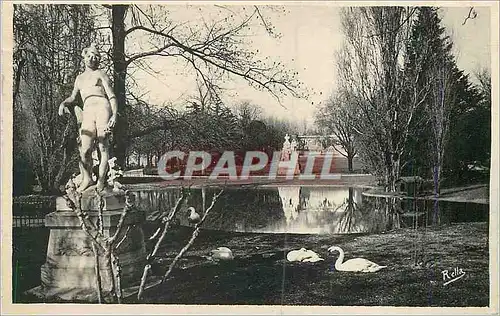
(477, 193)
(137, 179)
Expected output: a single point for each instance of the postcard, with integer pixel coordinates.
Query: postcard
(250, 157)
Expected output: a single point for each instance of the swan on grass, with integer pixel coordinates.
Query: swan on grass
(354, 265)
(221, 253)
(303, 255)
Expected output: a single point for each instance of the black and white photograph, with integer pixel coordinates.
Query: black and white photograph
(259, 157)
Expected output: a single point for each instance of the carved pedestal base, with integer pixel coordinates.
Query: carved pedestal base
(69, 271)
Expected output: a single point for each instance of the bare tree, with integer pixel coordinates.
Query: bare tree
(48, 42)
(432, 65)
(337, 117)
(439, 111)
(373, 68)
(247, 112)
(217, 45)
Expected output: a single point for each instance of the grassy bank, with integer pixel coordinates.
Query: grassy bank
(260, 274)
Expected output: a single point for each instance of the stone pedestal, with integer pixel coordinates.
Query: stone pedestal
(69, 271)
(283, 171)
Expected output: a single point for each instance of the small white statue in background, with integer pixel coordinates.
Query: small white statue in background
(286, 151)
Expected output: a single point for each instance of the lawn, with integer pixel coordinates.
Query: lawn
(260, 274)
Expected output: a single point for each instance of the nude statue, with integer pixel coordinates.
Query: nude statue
(98, 117)
(287, 149)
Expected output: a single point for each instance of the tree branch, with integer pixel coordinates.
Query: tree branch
(193, 236)
(148, 53)
(219, 61)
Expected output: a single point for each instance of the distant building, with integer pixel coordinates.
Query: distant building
(317, 143)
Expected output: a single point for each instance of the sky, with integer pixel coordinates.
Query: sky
(311, 35)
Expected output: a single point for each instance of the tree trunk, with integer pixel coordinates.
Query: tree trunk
(350, 202)
(119, 75)
(349, 163)
(391, 172)
(17, 79)
(395, 173)
(158, 155)
(436, 175)
(44, 184)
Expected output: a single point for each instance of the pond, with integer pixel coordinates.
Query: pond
(308, 210)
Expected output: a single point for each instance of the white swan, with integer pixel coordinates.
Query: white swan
(193, 216)
(303, 255)
(354, 265)
(222, 253)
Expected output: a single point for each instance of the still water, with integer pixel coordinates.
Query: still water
(307, 210)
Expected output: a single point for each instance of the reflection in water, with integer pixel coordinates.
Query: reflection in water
(324, 210)
(295, 209)
(290, 202)
(154, 202)
(292, 209)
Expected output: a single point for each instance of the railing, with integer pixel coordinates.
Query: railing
(30, 210)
